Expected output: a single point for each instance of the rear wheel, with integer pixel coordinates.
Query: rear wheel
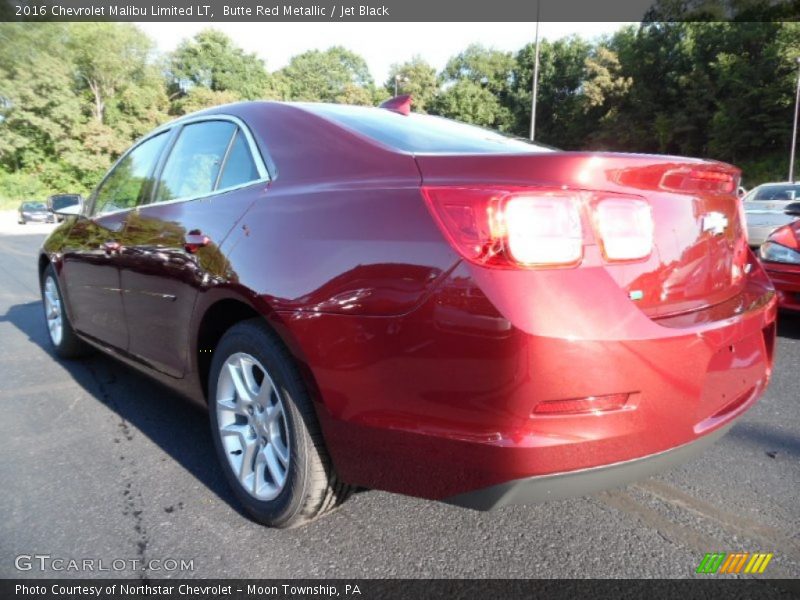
(65, 341)
(265, 430)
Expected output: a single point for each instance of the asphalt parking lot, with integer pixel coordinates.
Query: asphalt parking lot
(99, 462)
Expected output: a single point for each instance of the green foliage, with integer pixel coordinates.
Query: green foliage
(560, 119)
(199, 98)
(73, 96)
(471, 102)
(415, 77)
(210, 60)
(475, 77)
(333, 75)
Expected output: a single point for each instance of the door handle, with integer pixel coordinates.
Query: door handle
(111, 247)
(195, 240)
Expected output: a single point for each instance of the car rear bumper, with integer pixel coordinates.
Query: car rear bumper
(786, 279)
(583, 481)
(442, 401)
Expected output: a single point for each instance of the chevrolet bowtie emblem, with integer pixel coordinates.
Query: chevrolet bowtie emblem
(715, 222)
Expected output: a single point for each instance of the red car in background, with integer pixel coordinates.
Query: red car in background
(372, 297)
(780, 255)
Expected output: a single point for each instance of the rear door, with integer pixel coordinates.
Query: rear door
(91, 253)
(171, 244)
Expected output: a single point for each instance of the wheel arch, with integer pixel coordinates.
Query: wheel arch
(44, 262)
(218, 315)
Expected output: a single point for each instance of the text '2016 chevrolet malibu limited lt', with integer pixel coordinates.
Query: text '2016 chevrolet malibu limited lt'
(372, 297)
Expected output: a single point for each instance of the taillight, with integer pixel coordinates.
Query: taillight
(624, 227)
(538, 227)
(543, 229)
(530, 228)
(785, 236)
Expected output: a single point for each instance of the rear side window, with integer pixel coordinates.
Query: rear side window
(195, 160)
(239, 166)
(423, 133)
(126, 183)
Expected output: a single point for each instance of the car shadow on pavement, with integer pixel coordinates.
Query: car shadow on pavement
(775, 444)
(178, 427)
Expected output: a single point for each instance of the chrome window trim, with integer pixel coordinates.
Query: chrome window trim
(255, 154)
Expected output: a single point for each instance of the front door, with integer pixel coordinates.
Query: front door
(92, 250)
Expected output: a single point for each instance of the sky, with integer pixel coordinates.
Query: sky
(381, 44)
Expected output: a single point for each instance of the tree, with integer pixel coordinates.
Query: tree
(40, 110)
(75, 95)
(604, 82)
(562, 71)
(108, 57)
(492, 69)
(333, 75)
(477, 88)
(470, 102)
(212, 61)
(416, 77)
(198, 98)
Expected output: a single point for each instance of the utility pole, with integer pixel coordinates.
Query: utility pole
(794, 128)
(535, 89)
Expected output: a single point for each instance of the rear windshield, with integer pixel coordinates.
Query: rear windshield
(422, 134)
(64, 200)
(776, 192)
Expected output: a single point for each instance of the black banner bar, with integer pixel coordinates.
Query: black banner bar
(371, 589)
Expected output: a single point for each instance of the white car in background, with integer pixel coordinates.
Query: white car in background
(764, 208)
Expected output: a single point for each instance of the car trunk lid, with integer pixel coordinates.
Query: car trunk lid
(699, 250)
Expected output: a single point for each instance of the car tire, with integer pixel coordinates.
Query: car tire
(266, 432)
(65, 341)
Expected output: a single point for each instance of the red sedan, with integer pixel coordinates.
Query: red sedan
(372, 297)
(781, 257)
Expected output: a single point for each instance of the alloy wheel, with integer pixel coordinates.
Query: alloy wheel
(252, 426)
(52, 310)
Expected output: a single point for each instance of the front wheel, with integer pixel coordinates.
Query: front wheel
(265, 430)
(65, 341)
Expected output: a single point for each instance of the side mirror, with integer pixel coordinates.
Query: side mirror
(793, 209)
(68, 205)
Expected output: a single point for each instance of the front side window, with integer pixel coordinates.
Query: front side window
(126, 183)
(195, 161)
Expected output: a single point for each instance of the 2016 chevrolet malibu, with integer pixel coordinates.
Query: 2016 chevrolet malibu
(377, 298)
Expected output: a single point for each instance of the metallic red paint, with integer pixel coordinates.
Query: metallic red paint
(427, 369)
(786, 277)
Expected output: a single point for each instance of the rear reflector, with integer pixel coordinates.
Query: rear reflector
(700, 180)
(625, 228)
(591, 404)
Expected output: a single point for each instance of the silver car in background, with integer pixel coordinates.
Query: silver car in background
(764, 209)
